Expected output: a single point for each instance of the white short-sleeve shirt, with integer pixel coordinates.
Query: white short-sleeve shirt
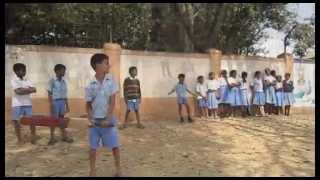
(222, 82)
(213, 84)
(202, 89)
(257, 85)
(20, 100)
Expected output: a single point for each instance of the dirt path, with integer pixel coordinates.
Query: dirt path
(233, 147)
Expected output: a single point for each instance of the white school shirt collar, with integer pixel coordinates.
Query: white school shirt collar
(106, 77)
(131, 78)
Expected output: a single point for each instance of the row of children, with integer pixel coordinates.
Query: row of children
(225, 96)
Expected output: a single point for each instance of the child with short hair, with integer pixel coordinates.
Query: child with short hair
(212, 94)
(244, 98)
(279, 95)
(57, 93)
(21, 100)
(270, 97)
(201, 90)
(100, 96)
(181, 90)
(259, 97)
(223, 105)
(288, 98)
(132, 96)
(233, 93)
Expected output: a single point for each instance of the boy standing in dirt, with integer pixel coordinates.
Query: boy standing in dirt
(132, 96)
(57, 93)
(100, 96)
(21, 100)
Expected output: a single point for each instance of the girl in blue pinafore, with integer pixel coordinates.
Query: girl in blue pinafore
(258, 97)
(234, 92)
(244, 97)
(288, 98)
(223, 106)
(279, 95)
(269, 91)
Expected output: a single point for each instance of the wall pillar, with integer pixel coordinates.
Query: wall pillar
(113, 51)
(215, 61)
(288, 61)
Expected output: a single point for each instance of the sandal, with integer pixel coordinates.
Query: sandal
(140, 126)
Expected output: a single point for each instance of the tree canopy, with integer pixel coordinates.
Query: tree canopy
(178, 27)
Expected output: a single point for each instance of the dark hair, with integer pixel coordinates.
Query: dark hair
(132, 68)
(256, 73)
(181, 76)
(279, 77)
(287, 74)
(97, 59)
(273, 73)
(210, 73)
(232, 71)
(18, 67)
(59, 67)
(244, 74)
(265, 70)
(199, 77)
(223, 71)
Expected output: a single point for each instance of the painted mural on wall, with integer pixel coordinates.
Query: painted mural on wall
(304, 83)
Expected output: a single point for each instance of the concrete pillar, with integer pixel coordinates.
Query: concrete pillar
(215, 60)
(288, 61)
(113, 51)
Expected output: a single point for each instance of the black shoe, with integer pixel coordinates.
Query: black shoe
(181, 120)
(190, 120)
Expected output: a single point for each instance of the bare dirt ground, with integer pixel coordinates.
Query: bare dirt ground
(254, 146)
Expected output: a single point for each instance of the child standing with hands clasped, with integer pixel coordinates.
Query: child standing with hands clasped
(259, 97)
(213, 90)
(201, 90)
(100, 96)
(288, 98)
(279, 95)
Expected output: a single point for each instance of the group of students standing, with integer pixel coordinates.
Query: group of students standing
(227, 96)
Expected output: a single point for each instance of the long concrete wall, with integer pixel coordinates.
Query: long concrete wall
(157, 72)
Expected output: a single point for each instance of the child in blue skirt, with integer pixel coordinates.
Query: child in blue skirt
(212, 94)
(279, 95)
(258, 97)
(244, 98)
(234, 92)
(270, 97)
(223, 104)
(288, 98)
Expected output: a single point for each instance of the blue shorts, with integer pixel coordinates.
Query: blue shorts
(59, 107)
(182, 100)
(133, 104)
(19, 111)
(202, 102)
(107, 137)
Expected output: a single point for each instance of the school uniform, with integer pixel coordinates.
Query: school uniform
(288, 98)
(279, 94)
(181, 91)
(244, 91)
(259, 97)
(58, 90)
(99, 94)
(202, 100)
(21, 104)
(269, 90)
(223, 88)
(212, 87)
(234, 93)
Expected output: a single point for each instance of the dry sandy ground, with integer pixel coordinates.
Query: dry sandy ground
(269, 146)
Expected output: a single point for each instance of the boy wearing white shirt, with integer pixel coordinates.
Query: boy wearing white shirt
(21, 100)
